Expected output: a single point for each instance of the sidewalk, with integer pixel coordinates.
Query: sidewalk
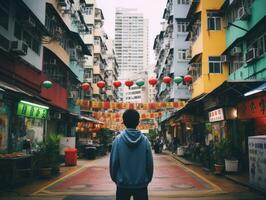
(241, 179)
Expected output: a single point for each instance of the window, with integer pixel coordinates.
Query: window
(33, 42)
(181, 27)
(87, 73)
(97, 41)
(215, 65)
(4, 16)
(90, 29)
(183, 1)
(88, 10)
(181, 54)
(214, 21)
(259, 43)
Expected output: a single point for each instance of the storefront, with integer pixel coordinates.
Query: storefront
(30, 124)
(217, 126)
(3, 124)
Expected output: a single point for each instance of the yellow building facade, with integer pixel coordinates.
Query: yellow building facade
(208, 41)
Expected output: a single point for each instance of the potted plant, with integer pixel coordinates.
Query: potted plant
(48, 156)
(232, 153)
(218, 156)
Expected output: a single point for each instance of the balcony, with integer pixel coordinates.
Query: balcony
(88, 19)
(97, 49)
(98, 32)
(56, 48)
(88, 39)
(96, 68)
(77, 70)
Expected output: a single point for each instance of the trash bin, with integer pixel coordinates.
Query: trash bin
(71, 156)
(91, 152)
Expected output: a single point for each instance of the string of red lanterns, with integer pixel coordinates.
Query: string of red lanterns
(153, 81)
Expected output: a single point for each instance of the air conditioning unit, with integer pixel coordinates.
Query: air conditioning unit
(251, 55)
(73, 55)
(224, 58)
(19, 47)
(236, 51)
(243, 13)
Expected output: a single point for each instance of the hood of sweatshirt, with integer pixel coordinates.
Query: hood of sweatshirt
(132, 137)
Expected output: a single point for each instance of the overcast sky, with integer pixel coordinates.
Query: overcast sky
(152, 10)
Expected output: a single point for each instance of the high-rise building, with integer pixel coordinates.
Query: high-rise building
(131, 46)
(172, 51)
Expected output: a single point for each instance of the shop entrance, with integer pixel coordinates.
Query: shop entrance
(246, 128)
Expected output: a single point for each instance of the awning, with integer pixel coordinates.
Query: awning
(261, 88)
(6, 86)
(90, 119)
(196, 57)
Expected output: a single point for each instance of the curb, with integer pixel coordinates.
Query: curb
(245, 184)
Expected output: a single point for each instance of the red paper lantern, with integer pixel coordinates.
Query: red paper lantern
(101, 84)
(167, 80)
(129, 83)
(188, 79)
(117, 84)
(85, 87)
(153, 81)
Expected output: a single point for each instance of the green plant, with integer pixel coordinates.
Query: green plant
(49, 151)
(218, 150)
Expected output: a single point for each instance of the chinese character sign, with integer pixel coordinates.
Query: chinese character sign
(32, 111)
(216, 115)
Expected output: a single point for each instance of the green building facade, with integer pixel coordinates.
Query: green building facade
(245, 22)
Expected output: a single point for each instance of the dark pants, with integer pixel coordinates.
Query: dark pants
(126, 193)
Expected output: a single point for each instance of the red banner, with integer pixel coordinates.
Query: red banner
(252, 108)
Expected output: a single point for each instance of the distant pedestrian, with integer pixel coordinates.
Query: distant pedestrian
(131, 162)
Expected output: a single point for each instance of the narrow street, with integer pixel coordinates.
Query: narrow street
(171, 180)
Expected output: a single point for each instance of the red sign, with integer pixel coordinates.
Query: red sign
(252, 108)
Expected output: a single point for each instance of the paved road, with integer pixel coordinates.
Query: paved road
(171, 181)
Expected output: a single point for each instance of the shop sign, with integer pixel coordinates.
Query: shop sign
(216, 115)
(252, 108)
(257, 161)
(28, 109)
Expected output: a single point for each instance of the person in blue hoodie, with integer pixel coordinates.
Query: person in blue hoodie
(131, 162)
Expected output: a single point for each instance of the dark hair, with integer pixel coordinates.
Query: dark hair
(131, 118)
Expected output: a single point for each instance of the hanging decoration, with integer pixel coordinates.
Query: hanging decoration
(86, 104)
(167, 80)
(153, 81)
(178, 80)
(85, 87)
(129, 83)
(117, 84)
(101, 84)
(188, 79)
(140, 83)
(47, 84)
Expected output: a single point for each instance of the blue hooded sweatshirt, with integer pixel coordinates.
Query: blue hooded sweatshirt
(131, 162)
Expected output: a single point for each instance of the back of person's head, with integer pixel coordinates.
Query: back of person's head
(131, 118)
